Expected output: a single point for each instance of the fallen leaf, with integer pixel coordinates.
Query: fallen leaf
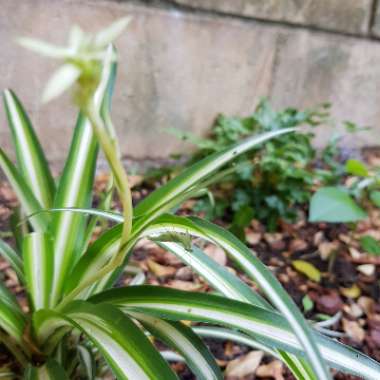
(298, 245)
(271, 370)
(135, 180)
(353, 330)
(307, 303)
(253, 238)
(327, 248)
(370, 245)
(308, 269)
(184, 285)
(319, 237)
(367, 304)
(244, 365)
(367, 269)
(354, 310)
(184, 273)
(375, 337)
(275, 240)
(216, 253)
(355, 254)
(160, 270)
(352, 292)
(329, 303)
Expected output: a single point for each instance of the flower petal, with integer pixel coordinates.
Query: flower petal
(76, 38)
(43, 48)
(109, 34)
(60, 81)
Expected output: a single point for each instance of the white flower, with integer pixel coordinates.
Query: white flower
(80, 57)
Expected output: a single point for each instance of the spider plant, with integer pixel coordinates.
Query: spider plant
(78, 326)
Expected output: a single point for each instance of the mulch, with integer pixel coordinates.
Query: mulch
(348, 289)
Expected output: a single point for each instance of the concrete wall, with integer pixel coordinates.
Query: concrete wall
(184, 61)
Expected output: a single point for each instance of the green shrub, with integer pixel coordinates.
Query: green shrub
(343, 204)
(77, 322)
(272, 181)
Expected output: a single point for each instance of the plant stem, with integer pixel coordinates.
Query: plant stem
(110, 150)
(121, 179)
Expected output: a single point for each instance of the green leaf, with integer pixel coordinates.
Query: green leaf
(38, 266)
(125, 347)
(356, 168)
(7, 374)
(12, 257)
(331, 204)
(30, 156)
(234, 248)
(271, 327)
(370, 245)
(182, 339)
(308, 269)
(307, 303)
(221, 333)
(215, 274)
(250, 264)
(12, 319)
(75, 191)
(49, 371)
(87, 360)
(200, 171)
(375, 197)
(24, 194)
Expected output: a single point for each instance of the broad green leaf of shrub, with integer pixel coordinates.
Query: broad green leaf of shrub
(331, 204)
(357, 168)
(370, 245)
(375, 197)
(307, 303)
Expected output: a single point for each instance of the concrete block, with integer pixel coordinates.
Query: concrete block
(350, 16)
(180, 69)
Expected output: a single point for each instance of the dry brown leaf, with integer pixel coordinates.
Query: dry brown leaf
(373, 233)
(354, 310)
(353, 330)
(271, 370)
(160, 270)
(367, 304)
(275, 240)
(329, 303)
(244, 365)
(216, 253)
(135, 180)
(297, 245)
(185, 285)
(184, 274)
(367, 269)
(355, 254)
(319, 237)
(253, 238)
(326, 249)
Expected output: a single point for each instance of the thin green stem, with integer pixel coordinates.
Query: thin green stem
(108, 145)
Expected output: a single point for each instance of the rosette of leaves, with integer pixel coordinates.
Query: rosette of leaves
(78, 326)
